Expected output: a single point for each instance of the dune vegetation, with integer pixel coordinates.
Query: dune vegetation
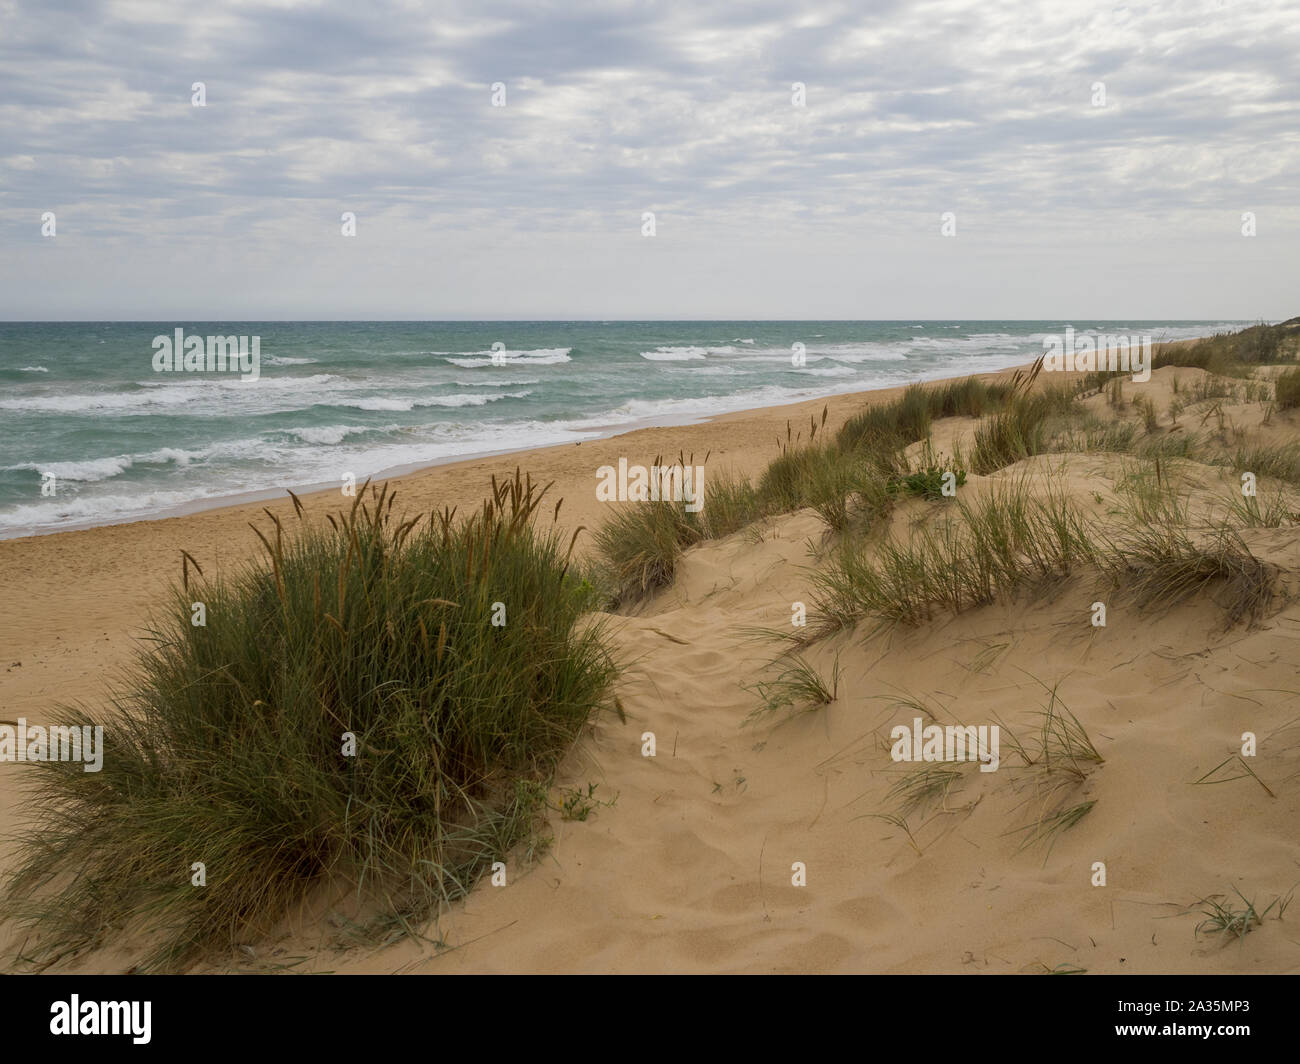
(377, 705)
(907, 542)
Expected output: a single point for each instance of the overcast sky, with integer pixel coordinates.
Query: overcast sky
(763, 209)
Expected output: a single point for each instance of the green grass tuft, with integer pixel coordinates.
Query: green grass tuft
(227, 746)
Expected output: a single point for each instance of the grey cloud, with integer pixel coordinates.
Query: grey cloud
(383, 109)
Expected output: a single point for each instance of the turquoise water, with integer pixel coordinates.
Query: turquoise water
(81, 400)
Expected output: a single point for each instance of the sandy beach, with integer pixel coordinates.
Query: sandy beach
(691, 867)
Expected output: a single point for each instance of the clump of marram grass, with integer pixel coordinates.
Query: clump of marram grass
(1163, 557)
(349, 717)
(1275, 511)
(883, 430)
(968, 397)
(847, 492)
(733, 504)
(1163, 565)
(801, 475)
(1003, 542)
(1023, 429)
(1051, 824)
(842, 485)
(640, 546)
(1287, 394)
(1115, 392)
(913, 791)
(1282, 461)
(1228, 922)
(797, 687)
(1150, 419)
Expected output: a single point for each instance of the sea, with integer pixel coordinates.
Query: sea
(91, 432)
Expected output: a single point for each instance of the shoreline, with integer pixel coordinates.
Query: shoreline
(597, 433)
(589, 434)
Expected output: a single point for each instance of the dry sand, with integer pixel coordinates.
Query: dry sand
(691, 869)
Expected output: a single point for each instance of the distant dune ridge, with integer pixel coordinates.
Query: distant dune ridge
(1105, 571)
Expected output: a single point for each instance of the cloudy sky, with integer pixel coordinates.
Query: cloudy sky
(762, 208)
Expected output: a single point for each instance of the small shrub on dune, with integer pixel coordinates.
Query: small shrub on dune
(928, 483)
(228, 744)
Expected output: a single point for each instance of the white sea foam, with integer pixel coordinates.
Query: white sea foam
(857, 353)
(220, 394)
(828, 371)
(542, 356)
(675, 354)
(327, 435)
(171, 455)
(382, 403)
(688, 353)
(60, 512)
(85, 471)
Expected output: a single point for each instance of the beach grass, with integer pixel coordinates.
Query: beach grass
(640, 545)
(1022, 429)
(1288, 389)
(1225, 919)
(1161, 566)
(377, 705)
(1006, 541)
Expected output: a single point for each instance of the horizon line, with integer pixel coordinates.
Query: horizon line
(599, 321)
